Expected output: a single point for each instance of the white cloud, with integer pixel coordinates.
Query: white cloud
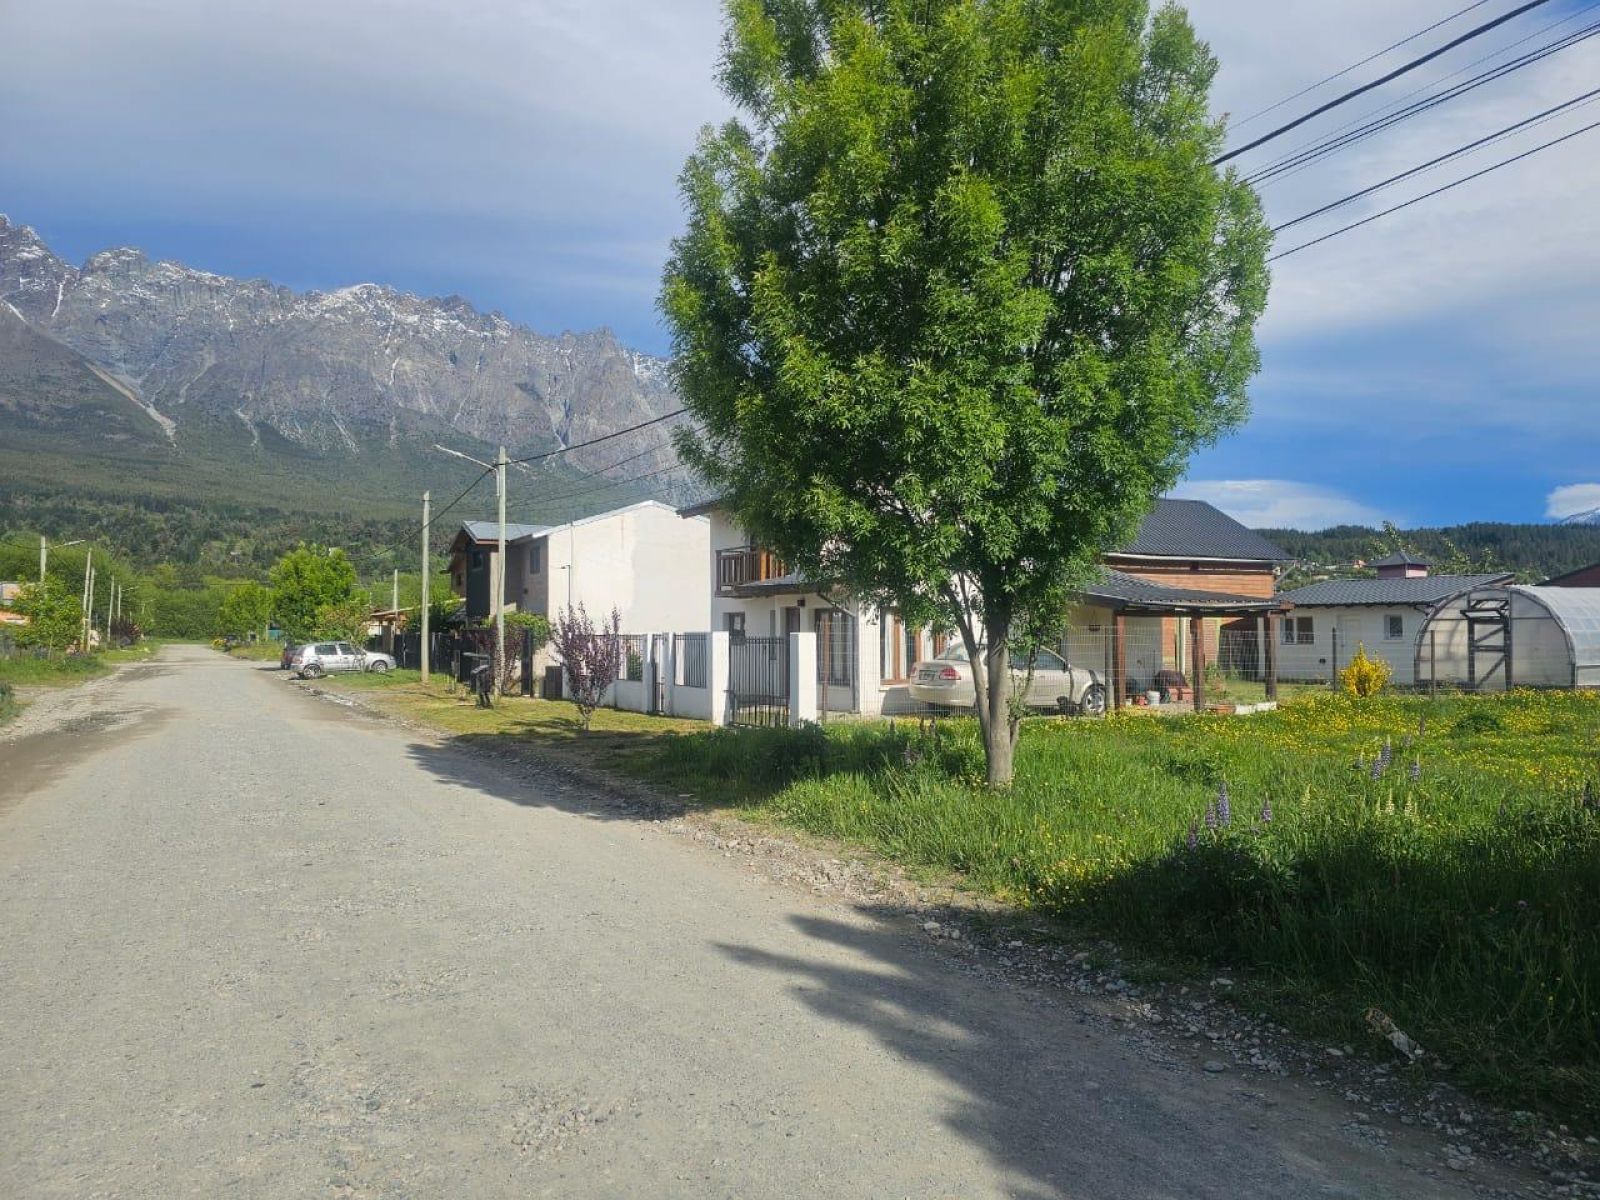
(1279, 503)
(1572, 499)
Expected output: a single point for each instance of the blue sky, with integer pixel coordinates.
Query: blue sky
(1439, 366)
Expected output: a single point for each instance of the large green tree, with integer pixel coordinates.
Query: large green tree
(307, 580)
(247, 609)
(959, 296)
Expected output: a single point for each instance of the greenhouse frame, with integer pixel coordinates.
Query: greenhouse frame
(1492, 639)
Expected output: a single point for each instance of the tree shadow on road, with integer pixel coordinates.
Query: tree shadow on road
(499, 765)
(1064, 1107)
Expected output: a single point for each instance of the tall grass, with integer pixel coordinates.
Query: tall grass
(1457, 887)
(27, 669)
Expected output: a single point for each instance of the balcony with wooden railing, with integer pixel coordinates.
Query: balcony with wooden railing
(744, 566)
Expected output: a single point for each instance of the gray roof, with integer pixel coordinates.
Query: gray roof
(489, 531)
(1195, 529)
(1122, 591)
(1430, 589)
(1400, 558)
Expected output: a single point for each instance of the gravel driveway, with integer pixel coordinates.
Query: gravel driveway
(253, 945)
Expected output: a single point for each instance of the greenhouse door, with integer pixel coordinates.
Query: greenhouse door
(1489, 643)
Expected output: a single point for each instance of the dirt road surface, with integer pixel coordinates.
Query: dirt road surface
(252, 945)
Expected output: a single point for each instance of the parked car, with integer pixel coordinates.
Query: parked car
(325, 658)
(946, 680)
(286, 657)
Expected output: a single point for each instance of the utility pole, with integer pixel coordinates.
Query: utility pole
(501, 466)
(88, 576)
(426, 497)
(497, 576)
(88, 614)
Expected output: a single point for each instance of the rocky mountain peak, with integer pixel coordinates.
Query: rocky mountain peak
(357, 369)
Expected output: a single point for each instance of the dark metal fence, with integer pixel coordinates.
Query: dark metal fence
(631, 664)
(689, 651)
(758, 681)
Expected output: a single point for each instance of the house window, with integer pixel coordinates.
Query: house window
(893, 640)
(477, 560)
(1394, 627)
(1299, 631)
(534, 558)
(734, 623)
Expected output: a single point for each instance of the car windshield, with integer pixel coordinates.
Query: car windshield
(954, 652)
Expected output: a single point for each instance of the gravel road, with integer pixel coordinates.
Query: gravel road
(255, 945)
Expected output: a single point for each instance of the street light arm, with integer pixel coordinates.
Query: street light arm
(476, 461)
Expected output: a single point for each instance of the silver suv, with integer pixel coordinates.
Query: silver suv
(324, 658)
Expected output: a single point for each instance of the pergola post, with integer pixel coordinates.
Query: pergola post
(1270, 653)
(1119, 659)
(1197, 655)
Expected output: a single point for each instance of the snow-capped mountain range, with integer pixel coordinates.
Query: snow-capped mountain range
(349, 372)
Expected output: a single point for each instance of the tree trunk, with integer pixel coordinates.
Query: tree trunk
(998, 734)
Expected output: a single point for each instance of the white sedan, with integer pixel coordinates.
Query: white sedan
(316, 659)
(947, 681)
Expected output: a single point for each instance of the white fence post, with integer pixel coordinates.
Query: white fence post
(717, 675)
(802, 679)
(649, 673)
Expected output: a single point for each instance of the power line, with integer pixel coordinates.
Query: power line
(1436, 191)
(1331, 145)
(1280, 168)
(615, 483)
(1536, 119)
(1403, 69)
(487, 471)
(677, 412)
(1259, 113)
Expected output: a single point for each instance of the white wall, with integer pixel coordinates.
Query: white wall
(646, 561)
(1357, 626)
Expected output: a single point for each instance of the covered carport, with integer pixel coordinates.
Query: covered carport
(1126, 597)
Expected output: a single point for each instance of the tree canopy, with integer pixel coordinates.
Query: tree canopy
(247, 609)
(959, 296)
(307, 580)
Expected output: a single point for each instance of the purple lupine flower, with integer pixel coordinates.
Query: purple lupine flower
(1266, 811)
(1193, 839)
(1416, 770)
(1211, 816)
(1377, 768)
(1224, 806)
(1386, 755)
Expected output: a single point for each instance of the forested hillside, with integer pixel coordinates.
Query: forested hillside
(1534, 552)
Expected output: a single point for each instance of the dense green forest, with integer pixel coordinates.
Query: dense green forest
(1534, 552)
